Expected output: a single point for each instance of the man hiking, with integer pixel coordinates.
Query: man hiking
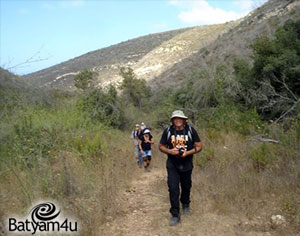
(145, 143)
(135, 138)
(180, 141)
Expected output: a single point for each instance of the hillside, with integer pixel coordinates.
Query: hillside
(149, 56)
(9, 80)
(233, 44)
(105, 61)
(167, 58)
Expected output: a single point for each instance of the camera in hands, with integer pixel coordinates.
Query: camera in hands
(181, 151)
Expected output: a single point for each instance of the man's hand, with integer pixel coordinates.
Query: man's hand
(184, 153)
(174, 152)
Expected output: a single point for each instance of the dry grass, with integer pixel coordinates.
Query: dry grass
(228, 179)
(84, 187)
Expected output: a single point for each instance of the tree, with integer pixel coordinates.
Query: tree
(272, 83)
(136, 90)
(102, 106)
(83, 80)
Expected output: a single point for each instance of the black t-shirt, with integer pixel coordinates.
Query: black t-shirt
(146, 146)
(141, 134)
(180, 139)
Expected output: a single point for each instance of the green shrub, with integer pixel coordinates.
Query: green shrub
(263, 155)
(206, 155)
(134, 90)
(271, 84)
(30, 142)
(102, 106)
(84, 79)
(298, 127)
(291, 207)
(230, 117)
(89, 145)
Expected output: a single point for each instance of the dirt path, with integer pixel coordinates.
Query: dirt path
(144, 211)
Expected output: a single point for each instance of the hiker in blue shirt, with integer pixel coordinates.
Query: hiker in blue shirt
(145, 143)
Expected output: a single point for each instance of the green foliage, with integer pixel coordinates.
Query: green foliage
(206, 156)
(272, 83)
(162, 114)
(88, 145)
(102, 106)
(291, 207)
(230, 117)
(242, 72)
(205, 90)
(202, 88)
(263, 155)
(298, 127)
(134, 89)
(83, 80)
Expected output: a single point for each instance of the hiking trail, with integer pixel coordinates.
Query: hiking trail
(144, 211)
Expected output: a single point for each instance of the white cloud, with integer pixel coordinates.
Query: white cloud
(200, 12)
(205, 14)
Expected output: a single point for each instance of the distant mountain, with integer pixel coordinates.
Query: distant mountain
(10, 80)
(106, 61)
(167, 59)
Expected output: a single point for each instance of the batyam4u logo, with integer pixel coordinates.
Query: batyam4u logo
(43, 218)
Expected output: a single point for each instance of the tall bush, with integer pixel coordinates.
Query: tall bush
(272, 83)
(135, 90)
(102, 106)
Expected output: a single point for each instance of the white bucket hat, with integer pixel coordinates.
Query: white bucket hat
(147, 131)
(178, 114)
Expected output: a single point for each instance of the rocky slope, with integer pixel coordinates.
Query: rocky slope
(149, 56)
(167, 59)
(233, 44)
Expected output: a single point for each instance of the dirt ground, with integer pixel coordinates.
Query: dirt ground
(144, 211)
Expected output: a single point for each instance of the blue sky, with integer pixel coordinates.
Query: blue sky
(46, 33)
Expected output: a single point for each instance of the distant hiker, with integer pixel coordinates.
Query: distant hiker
(146, 141)
(143, 126)
(180, 141)
(135, 138)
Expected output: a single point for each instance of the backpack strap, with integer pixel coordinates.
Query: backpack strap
(190, 132)
(169, 132)
(132, 134)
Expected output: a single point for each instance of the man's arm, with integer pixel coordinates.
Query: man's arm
(198, 148)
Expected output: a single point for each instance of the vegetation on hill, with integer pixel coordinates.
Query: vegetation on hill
(272, 83)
